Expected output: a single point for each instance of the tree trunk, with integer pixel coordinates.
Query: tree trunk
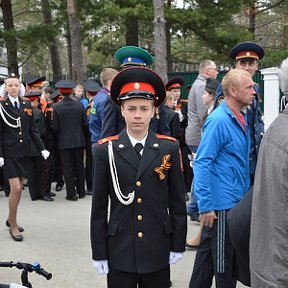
(131, 25)
(76, 41)
(160, 39)
(53, 49)
(168, 42)
(9, 37)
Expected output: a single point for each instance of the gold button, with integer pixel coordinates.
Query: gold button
(139, 200)
(139, 217)
(140, 234)
(21, 140)
(138, 183)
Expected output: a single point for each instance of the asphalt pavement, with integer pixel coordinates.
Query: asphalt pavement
(57, 235)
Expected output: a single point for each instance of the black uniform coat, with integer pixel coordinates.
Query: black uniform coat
(69, 122)
(158, 210)
(16, 142)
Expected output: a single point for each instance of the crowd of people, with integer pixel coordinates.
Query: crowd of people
(139, 149)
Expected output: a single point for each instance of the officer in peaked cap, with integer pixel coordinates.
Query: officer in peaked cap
(174, 83)
(181, 108)
(247, 51)
(65, 87)
(54, 95)
(69, 123)
(133, 56)
(34, 83)
(127, 167)
(92, 87)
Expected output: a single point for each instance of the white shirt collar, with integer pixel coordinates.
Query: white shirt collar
(134, 141)
(13, 100)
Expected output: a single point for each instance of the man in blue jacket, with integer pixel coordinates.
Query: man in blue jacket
(246, 56)
(221, 179)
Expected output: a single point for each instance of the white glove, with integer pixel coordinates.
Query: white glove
(14, 285)
(175, 257)
(101, 266)
(1, 161)
(45, 154)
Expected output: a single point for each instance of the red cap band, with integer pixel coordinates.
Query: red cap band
(247, 54)
(142, 86)
(173, 86)
(65, 90)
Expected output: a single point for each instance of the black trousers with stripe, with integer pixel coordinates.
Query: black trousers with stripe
(214, 257)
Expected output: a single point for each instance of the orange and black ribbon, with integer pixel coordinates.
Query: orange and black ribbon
(164, 166)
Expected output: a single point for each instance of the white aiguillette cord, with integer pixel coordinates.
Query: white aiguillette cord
(17, 120)
(125, 200)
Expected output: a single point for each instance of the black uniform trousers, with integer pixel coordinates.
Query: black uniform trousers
(214, 257)
(35, 177)
(74, 171)
(88, 168)
(157, 279)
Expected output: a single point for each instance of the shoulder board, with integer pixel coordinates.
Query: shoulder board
(184, 100)
(2, 98)
(161, 136)
(104, 140)
(24, 98)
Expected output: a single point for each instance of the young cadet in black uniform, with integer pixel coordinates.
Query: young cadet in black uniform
(37, 173)
(17, 130)
(139, 171)
(57, 177)
(69, 122)
(174, 86)
(113, 122)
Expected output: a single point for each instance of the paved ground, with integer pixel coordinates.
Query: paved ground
(57, 235)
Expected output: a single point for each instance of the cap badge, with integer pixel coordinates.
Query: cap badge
(129, 59)
(166, 165)
(136, 85)
(248, 53)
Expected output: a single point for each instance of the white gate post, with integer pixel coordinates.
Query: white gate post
(271, 95)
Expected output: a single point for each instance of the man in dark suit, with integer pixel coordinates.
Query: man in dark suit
(140, 172)
(69, 122)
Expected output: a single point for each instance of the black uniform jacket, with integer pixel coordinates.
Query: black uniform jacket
(139, 237)
(16, 142)
(69, 122)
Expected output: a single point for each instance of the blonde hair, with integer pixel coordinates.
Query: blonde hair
(232, 78)
(106, 75)
(169, 97)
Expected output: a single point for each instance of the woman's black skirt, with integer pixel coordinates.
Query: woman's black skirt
(15, 167)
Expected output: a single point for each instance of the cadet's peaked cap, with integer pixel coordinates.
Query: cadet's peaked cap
(92, 86)
(174, 83)
(32, 80)
(33, 95)
(211, 85)
(137, 82)
(247, 51)
(133, 56)
(55, 94)
(65, 86)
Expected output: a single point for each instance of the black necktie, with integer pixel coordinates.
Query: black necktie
(138, 147)
(16, 106)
